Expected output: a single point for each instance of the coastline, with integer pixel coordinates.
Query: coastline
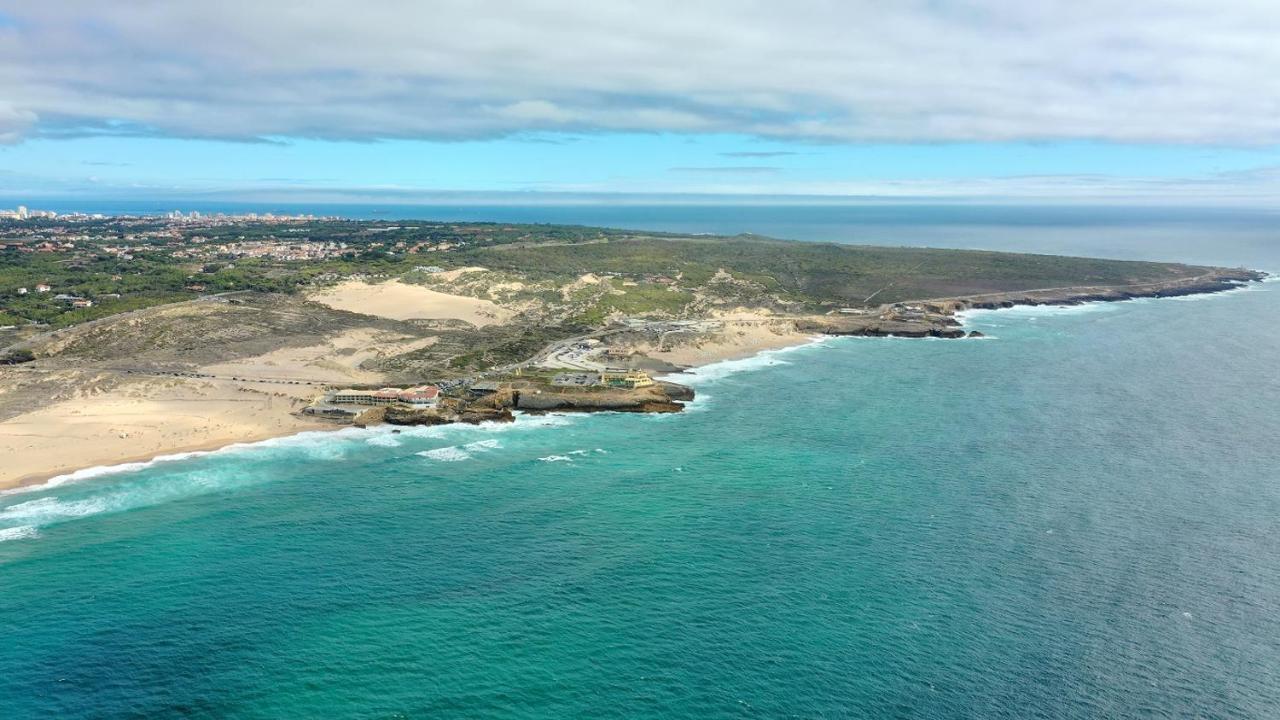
(113, 465)
(89, 464)
(96, 464)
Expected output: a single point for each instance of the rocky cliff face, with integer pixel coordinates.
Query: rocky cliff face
(661, 398)
(874, 327)
(447, 413)
(657, 398)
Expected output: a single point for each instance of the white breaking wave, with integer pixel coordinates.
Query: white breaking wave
(482, 446)
(317, 439)
(1033, 312)
(719, 370)
(387, 440)
(101, 470)
(43, 510)
(556, 458)
(452, 453)
(21, 532)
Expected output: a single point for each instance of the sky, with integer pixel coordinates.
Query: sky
(1143, 101)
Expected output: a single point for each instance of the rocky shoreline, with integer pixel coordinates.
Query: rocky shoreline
(937, 318)
(662, 397)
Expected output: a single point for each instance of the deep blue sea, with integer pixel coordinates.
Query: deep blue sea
(1077, 517)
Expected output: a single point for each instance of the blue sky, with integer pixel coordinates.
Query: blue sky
(1156, 101)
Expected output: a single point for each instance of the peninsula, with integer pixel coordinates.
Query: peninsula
(124, 338)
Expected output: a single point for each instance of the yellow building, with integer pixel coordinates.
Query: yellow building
(621, 377)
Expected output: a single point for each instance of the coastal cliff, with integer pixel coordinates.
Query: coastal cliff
(936, 318)
(662, 397)
(447, 412)
(658, 398)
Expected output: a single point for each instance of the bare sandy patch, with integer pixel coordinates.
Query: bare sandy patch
(587, 280)
(451, 275)
(335, 361)
(400, 301)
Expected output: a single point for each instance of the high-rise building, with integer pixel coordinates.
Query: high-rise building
(22, 212)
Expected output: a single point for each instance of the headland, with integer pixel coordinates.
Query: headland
(152, 336)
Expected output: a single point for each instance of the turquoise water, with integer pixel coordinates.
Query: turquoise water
(1076, 518)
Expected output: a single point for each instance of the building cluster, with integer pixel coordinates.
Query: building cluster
(74, 301)
(269, 249)
(424, 396)
(22, 213)
(221, 218)
(627, 378)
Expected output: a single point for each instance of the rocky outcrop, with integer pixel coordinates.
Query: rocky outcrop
(445, 414)
(663, 397)
(676, 392)
(655, 399)
(875, 327)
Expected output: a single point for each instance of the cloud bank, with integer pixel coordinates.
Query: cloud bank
(1169, 71)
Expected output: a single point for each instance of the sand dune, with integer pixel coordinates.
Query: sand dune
(401, 301)
(335, 361)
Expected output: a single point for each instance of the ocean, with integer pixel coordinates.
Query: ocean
(1075, 517)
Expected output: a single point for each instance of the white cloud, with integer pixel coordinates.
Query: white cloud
(14, 122)
(1177, 71)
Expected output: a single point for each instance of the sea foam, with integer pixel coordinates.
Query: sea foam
(451, 453)
(21, 532)
(719, 370)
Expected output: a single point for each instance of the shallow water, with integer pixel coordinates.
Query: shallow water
(1076, 518)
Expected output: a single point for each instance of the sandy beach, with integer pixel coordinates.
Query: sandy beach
(129, 418)
(142, 420)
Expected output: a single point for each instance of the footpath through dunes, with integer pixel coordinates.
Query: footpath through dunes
(401, 301)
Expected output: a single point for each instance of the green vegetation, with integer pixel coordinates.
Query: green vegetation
(132, 263)
(827, 273)
(17, 357)
(636, 299)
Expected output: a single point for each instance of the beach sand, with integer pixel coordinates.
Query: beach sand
(401, 301)
(744, 335)
(134, 417)
(144, 419)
